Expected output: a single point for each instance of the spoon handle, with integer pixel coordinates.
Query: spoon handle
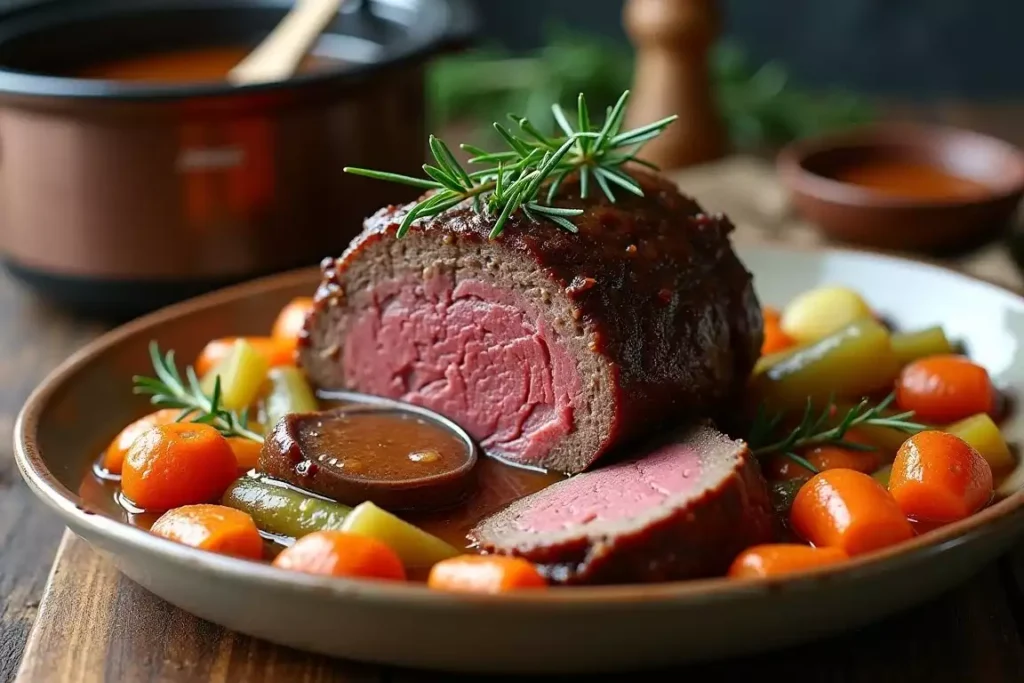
(282, 51)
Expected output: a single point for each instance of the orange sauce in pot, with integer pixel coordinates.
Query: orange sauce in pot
(184, 66)
(909, 179)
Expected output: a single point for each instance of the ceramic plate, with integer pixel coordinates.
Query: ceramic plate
(88, 399)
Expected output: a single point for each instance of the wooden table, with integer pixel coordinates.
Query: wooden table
(95, 625)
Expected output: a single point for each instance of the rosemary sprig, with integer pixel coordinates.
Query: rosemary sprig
(512, 179)
(812, 430)
(168, 390)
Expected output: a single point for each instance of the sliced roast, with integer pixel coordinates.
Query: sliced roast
(683, 510)
(550, 348)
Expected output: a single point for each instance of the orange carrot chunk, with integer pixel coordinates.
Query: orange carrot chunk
(776, 559)
(945, 388)
(247, 452)
(775, 340)
(826, 457)
(291, 321)
(939, 477)
(177, 464)
(113, 457)
(276, 352)
(848, 510)
(484, 574)
(336, 553)
(215, 528)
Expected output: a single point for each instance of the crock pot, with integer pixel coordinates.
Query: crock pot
(118, 197)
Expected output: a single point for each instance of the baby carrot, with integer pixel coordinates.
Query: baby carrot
(775, 559)
(247, 452)
(275, 351)
(484, 574)
(945, 388)
(826, 457)
(215, 528)
(113, 457)
(336, 553)
(291, 320)
(177, 464)
(775, 339)
(939, 477)
(849, 510)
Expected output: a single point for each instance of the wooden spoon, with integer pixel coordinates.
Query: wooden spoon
(282, 51)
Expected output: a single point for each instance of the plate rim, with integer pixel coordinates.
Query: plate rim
(698, 591)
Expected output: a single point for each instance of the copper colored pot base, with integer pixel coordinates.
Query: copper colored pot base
(121, 197)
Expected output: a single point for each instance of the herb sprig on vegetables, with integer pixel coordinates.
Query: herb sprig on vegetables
(169, 390)
(512, 180)
(813, 429)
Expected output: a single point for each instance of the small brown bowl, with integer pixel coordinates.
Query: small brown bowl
(863, 216)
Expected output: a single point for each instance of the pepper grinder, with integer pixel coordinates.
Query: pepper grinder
(672, 39)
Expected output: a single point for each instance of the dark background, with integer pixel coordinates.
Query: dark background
(912, 48)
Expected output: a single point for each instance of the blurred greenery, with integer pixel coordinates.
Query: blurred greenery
(760, 105)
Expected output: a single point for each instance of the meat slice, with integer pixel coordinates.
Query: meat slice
(549, 348)
(684, 510)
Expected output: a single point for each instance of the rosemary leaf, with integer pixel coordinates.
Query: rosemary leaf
(557, 183)
(512, 180)
(643, 133)
(564, 224)
(561, 120)
(499, 224)
(392, 177)
(604, 186)
(621, 179)
(515, 143)
(442, 177)
(554, 210)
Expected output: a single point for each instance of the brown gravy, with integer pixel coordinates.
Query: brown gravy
(909, 179)
(185, 66)
(382, 446)
(498, 484)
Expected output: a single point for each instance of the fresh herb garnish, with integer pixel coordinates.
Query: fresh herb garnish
(168, 390)
(813, 429)
(512, 179)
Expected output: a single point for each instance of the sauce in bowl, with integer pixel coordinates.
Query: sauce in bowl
(909, 179)
(398, 460)
(186, 66)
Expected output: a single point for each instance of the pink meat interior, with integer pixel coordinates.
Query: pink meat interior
(472, 353)
(619, 491)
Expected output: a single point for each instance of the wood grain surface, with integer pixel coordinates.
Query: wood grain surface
(33, 339)
(95, 625)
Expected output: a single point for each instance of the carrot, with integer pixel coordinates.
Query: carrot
(291, 321)
(832, 457)
(113, 457)
(945, 388)
(275, 351)
(774, 559)
(848, 510)
(775, 339)
(177, 464)
(939, 477)
(783, 468)
(826, 457)
(215, 528)
(247, 452)
(337, 553)
(484, 574)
